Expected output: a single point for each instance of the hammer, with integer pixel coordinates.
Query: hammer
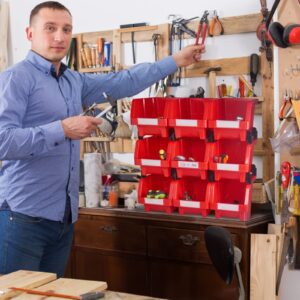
(211, 72)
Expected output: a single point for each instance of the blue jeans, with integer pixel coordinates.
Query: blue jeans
(36, 244)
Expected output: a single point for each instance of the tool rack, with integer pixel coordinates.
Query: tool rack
(235, 66)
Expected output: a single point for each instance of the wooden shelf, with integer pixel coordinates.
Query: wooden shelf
(97, 139)
(137, 29)
(235, 66)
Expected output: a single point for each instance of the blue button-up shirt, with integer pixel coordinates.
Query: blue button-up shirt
(40, 166)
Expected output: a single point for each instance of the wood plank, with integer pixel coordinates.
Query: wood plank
(258, 193)
(96, 139)
(267, 112)
(229, 67)
(276, 229)
(260, 147)
(138, 29)
(74, 287)
(117, 50)
(263, 253)
(233, 25)
(145, 35)
(92, 37)
(23, 279)
(241, 24)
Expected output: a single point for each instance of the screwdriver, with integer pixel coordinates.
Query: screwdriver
(254, 69)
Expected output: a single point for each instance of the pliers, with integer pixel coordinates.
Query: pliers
(287, 100)
(215, 22)
(202, 28)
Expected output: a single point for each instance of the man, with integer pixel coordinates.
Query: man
(40, 125)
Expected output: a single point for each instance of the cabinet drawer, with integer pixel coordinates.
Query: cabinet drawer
(179, 244)
(110, 234)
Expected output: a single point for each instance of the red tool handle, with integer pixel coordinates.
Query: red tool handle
(204, 33)
(285, 174)
(198, 33)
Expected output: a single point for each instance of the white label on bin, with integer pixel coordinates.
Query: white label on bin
(227, 167)
(230, 207)
(151, 162)
(154, 201)
(184, 122)
(228, 124)
(185, 203)
(188, 164)
(147, 121)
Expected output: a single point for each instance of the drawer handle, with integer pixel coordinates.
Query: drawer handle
(188, 239)
(109, 228)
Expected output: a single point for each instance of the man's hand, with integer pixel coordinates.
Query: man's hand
(188, 55)
(79, 127)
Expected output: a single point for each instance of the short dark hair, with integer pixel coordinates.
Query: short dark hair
(47, 4)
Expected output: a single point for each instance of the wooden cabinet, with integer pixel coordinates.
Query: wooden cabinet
(157, 254)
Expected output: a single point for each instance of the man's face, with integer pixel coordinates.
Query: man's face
(50, 34)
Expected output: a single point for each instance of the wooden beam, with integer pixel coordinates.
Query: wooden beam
(233, 25)
(137, 29)
(261, 146)
(263, 279)
(267, 111)
(229, 67)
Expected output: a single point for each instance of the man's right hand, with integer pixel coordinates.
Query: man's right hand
(78, 127)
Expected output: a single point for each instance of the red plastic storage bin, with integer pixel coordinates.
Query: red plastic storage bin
(231, 198)
(147, 155)
(155, 183)
(189, 157)
(231, 159)
(231, 118)
(149, 116)
(191, 196)
(188, 116)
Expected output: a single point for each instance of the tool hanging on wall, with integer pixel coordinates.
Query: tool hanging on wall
(216, 26)
(178, 28)
(71, 56)
(286, 220)
(287, 103)
(212, 74)
(254, 70)
(202, 28)
(262, 33)
(134, 25)
(100, 48)
(158, 87)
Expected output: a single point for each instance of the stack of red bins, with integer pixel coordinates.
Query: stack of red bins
(231, 122)
(151, 153)
(195, 155)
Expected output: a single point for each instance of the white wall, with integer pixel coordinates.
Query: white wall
(95, 15)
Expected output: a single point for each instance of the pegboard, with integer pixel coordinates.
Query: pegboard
(289, 62)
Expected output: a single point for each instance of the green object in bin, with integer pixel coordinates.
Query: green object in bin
(160, 194)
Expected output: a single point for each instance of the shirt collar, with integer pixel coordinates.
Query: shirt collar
(44, 65)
